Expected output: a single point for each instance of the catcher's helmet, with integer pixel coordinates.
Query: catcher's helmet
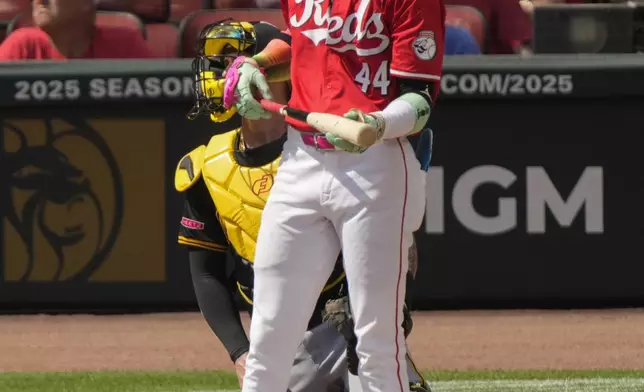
(219, 44)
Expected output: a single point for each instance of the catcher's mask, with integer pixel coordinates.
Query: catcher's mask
(219, 45)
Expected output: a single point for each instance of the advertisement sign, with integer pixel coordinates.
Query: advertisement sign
(533, 203)
(84, 200)
(534, 196)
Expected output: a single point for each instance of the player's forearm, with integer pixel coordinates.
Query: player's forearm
(216, 301)
(278, 51)
(279, 73)
(407, 114)
(404, 116)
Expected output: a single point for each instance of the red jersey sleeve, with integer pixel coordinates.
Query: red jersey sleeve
(418, 36)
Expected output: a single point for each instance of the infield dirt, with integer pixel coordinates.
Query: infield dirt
(459, 340)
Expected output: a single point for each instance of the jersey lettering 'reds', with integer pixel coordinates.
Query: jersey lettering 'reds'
(352, 51)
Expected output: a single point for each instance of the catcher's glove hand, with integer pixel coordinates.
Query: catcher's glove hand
(352, 356)
(337, 313)
(357, 115)
(408, 323)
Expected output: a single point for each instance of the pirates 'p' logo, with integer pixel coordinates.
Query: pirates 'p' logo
(63, 201)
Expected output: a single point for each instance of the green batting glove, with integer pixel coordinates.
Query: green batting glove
(247, 106)
(356, 115)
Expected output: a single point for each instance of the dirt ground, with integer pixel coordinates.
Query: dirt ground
(440, 340)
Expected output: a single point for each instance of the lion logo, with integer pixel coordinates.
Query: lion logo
(63, 203)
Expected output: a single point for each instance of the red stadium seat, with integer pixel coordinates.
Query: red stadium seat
(103, 18)
(469, 18)
(179, 9)
(10, 8)
(195, 22)
(163, 39)
(224, 4)
(120, 19)
(150, 11)
(21, 20)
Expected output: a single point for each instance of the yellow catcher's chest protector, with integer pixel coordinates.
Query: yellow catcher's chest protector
(239, 192)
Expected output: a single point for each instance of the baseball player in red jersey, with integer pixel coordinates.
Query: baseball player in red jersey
(375, 61)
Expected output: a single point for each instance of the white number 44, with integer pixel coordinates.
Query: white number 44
(379, 80)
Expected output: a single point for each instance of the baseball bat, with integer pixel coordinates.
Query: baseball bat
(361, 134)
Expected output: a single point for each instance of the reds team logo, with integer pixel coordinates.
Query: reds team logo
(263, 185)
(425, 45)
(342, 34)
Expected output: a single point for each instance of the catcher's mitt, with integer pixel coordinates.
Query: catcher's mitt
(337, 312)
(407, 323)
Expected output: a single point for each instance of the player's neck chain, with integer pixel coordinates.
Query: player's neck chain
(242, 143)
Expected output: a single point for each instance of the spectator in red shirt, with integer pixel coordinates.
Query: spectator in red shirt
(509, 28)
(66, 29)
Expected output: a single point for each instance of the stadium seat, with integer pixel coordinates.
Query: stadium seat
(469, 18)
(264, 4)
(191, 26)
(103, 18)
(150, 11)
(9, 9)
(179, 9)
(163, 39)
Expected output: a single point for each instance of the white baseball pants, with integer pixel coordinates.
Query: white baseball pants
(367, 205)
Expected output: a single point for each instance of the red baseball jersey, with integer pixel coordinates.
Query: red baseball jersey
(348, 53)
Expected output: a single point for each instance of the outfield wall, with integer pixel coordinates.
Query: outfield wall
(533, 200)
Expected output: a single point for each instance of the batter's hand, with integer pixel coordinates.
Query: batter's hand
(355, 115)
(240, 369)
(251, 79)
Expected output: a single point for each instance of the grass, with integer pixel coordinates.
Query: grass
(442, 381)
(487, 375)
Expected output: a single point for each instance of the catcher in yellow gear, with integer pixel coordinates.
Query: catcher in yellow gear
(226, 184)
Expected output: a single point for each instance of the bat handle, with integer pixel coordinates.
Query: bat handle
(281, 109)
(273, 106)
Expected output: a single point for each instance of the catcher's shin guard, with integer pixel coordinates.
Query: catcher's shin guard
(419, 387)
